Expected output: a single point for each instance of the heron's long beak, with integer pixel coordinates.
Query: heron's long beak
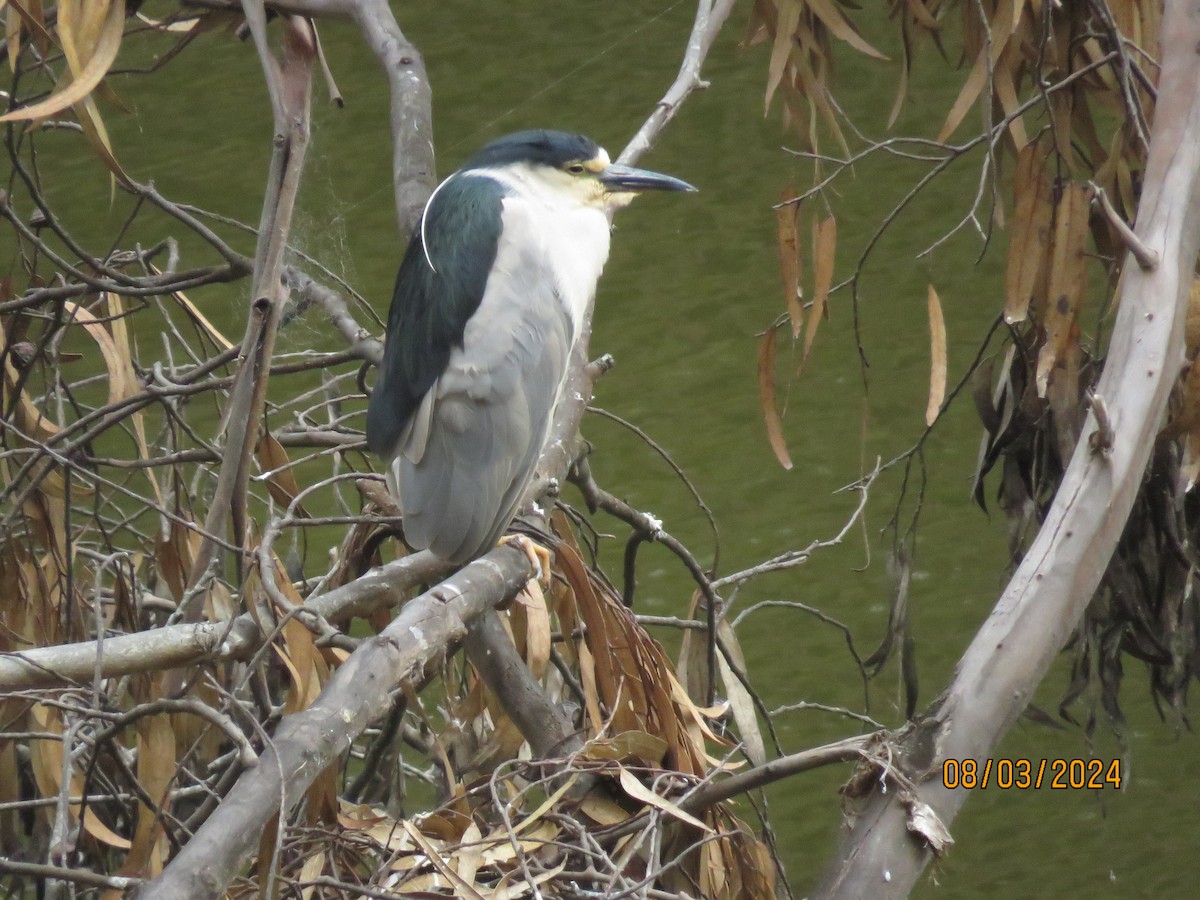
(628, 180)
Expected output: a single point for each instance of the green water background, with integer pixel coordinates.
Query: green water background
(690, 283)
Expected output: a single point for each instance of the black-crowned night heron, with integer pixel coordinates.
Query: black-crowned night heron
(488, 305)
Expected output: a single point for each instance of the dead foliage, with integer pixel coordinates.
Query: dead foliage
(1065, 93)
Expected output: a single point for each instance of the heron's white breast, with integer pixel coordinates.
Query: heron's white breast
(570, 237)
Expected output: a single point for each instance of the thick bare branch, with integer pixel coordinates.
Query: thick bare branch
(180, 645)
(411, 109)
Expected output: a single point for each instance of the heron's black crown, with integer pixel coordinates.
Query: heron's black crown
(540, 146)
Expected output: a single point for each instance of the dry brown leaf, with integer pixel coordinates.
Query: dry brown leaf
(824, 250)
(538, 634)
(1068, 279)
(124, 351)
(787, 237)
(500, 849)
(970, 92)
(902, 85)
(26, 15)
(641, 747)
(643, 794)
(545, 806)
(313, 866)
(740, 702)
(841, 27)
(1004, 84)
(12, 30)
(937, 358)
(767, 400)
(175, 554)
(281, 482)
(635, 684)
(462, 887)
(10, 778)
(88, 76)
(120, 372)
(1192, 326)
(603, 811)
(1032, 220)
(785, 28)
(155, 773)
(591, 696)
(46, 757)
(999, 31)
(521, 887)
(196, 316)
(470, 854)
(29, 418)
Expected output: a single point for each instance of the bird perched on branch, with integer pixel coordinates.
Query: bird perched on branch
(488, 305)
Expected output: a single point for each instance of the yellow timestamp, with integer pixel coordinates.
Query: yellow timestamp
(1032, 774)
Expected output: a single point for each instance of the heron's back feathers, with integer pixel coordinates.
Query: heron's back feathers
(431, 305)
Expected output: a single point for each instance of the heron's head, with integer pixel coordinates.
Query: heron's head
(571, 165)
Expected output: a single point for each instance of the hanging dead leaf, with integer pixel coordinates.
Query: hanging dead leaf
(26, 15)
(841, 27)
(1192, 324)
(767, 400)
(120, 372)
(531, 603)
(1033, 216)
(1004, 83)
(198, 317)
(787, 237)
(155, 772)
(824, 248)
(786, 24)
(1068, 279)
(937, 358)
(999, 32)
(88, 75)
(47, 763)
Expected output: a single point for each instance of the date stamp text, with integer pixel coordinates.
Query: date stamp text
(1032, 774)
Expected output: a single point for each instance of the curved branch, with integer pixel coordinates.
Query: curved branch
(412, 105)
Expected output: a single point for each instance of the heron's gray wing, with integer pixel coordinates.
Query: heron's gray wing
(490, 410)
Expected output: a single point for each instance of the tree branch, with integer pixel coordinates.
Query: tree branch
(411, 109)
(179, 645)
(290, 88)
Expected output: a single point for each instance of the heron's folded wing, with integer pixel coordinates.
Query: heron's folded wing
(439, 287)
(492, 408)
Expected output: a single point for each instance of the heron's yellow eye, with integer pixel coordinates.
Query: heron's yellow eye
(576, 168)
